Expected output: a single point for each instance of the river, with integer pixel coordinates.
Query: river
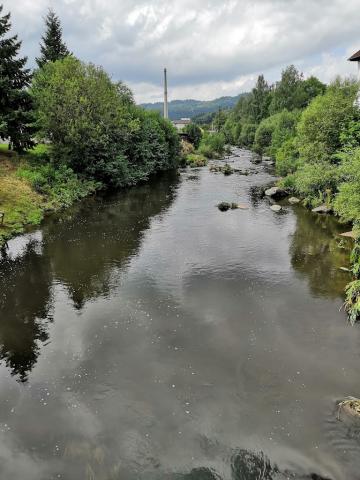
(147, 335)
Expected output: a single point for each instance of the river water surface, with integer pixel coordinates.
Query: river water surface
(147, 335)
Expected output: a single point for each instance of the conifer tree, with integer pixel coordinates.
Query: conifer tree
(53, 48)
(15, 101)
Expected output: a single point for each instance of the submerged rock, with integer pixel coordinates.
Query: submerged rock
(275, 192)
(276, 208)
(322, 209)
(224, 206)
(294, 200)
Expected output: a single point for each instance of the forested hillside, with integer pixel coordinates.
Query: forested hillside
(191, 108)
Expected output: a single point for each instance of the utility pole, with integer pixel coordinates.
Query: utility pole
(166, 107)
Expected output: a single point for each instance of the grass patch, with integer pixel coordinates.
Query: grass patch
(196, 160)
(20, 204)
(29, 188)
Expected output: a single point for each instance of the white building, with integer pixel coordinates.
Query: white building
(181, 124)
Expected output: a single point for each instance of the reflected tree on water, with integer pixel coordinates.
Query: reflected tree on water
(97, 238)
(316, 253)
(25, 306)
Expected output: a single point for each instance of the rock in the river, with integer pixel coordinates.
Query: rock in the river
(276, 208)
(224, 206)
(275, 192)
(294, 200)
(227, 170)
(350, 406)
(322, 209)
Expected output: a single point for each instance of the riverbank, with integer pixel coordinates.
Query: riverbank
(30, 188)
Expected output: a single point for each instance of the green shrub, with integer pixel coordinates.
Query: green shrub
(322, 123)
(263, 135)
(95, 128)
(287, 157)
(212, 145)
(317, 182)
(247, 135)
(196, 160)
(60, 185)
(352, 301)
(194, 134)
(347, 201)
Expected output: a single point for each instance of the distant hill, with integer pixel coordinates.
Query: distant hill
(191, 108)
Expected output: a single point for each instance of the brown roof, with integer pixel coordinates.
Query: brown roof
(355, 57)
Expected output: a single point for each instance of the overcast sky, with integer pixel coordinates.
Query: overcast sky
(210, 47)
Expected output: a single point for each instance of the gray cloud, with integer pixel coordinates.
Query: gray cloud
(211, 47)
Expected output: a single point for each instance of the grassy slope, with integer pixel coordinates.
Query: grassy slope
(20, 201)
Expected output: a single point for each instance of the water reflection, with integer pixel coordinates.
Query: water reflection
(179, 334)
(82, 249)
(98, 236)
(25, 306)
(317, 252)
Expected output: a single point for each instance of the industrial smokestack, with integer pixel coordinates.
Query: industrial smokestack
(166, 108)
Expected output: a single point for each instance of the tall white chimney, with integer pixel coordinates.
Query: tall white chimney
(166, 107)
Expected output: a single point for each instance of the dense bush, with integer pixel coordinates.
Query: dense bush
(322, 124)
(347, 201)
(263, 135)
(247, 135)
(212, 145)
(61, 186)
(194, 134)
(317, 182)
(287, 157)
(95, 128)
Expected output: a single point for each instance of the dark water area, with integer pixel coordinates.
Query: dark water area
(147, 335)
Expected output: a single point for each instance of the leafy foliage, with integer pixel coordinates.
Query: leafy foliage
(95, 128)
(293, 92)
(322, 124)
(194, 134)
(212, 145)
(287, 157)
(15, 101)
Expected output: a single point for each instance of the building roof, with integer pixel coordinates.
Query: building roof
(183, 121)
(355, 57)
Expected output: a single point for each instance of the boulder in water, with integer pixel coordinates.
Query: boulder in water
(294, 200)
(275, 192)
(350, 407)
(322, 209)
(276, 208)
(224, 206)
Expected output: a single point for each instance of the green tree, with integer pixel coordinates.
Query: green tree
(286, 92)
(261, 97)
(53, 48)
(309, 89)
(219, 120)
(94, 127)
(321, 127)
(15, 101)
(194, 134)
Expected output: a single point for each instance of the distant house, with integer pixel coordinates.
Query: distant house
(356, 58)
(181, 124)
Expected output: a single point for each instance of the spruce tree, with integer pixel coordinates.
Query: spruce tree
(15, 101)
(53, 48)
